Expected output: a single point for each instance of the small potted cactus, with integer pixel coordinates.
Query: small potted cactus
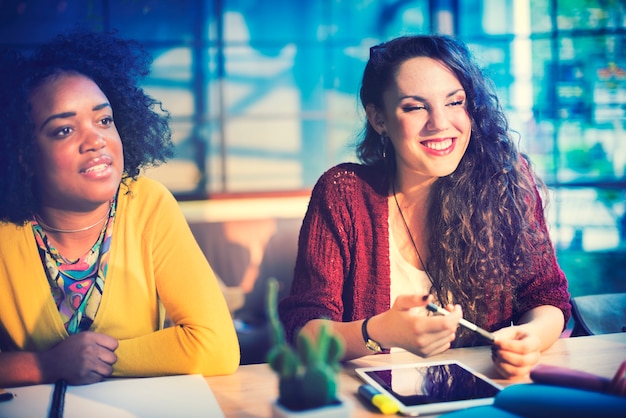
(307, 373)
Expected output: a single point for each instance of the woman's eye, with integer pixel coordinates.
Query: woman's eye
(412, 108)
(107, 121)
(457, 103)
(65, 131)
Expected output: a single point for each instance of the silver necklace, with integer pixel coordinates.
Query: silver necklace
(408, 231)
(70, 231)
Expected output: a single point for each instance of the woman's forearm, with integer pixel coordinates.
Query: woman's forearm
(20, 369)
(349, 332)
(546, 322)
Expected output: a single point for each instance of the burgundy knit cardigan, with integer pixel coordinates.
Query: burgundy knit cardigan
(342, 268)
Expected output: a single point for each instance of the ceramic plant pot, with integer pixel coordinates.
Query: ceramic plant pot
(343, 409)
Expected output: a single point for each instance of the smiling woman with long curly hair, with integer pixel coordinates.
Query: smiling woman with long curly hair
(443, 208)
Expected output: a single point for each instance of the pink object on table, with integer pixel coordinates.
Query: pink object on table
(562, 376)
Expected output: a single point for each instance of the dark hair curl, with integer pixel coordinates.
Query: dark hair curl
(482, 219)
(116, 65)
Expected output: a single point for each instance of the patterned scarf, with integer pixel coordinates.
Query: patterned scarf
(77, 285)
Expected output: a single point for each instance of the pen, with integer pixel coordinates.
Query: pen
(58, 399)
(383, 403)
(467, 324)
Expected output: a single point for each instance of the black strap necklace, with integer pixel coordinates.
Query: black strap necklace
(408, 231)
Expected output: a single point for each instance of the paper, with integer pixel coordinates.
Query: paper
(171, 396)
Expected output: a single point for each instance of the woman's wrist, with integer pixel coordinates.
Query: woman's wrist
(46, 367)
(376, 330)
(545, 323)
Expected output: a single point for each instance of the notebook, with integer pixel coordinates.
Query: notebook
(154, 397)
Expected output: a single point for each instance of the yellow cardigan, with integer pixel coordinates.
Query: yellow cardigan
(154, 259)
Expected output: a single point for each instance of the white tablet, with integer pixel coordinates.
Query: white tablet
(431, 387)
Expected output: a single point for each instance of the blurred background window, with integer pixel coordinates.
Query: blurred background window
(264, 94)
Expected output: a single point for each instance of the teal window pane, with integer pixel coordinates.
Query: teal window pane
(485, 17)
(272, 23)
(541, 16)
(590, 14)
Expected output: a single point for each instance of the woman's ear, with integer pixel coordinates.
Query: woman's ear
(375, 118)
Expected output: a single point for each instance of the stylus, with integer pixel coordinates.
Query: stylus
(467, 324)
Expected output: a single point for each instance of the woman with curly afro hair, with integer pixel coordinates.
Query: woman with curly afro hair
(93, 255)
(442, 208)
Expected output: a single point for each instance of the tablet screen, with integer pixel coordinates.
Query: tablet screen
(431, 383)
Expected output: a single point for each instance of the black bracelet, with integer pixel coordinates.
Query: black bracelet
(372, 345)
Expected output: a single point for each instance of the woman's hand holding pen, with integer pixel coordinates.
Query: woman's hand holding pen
(83, 358)
(515, 351)
(423, 335)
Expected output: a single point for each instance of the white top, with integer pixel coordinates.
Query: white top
(405, 278)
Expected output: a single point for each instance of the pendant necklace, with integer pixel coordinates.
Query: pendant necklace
(408, 231)
(406, 226)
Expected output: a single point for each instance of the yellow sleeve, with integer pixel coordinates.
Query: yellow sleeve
(162, 261)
